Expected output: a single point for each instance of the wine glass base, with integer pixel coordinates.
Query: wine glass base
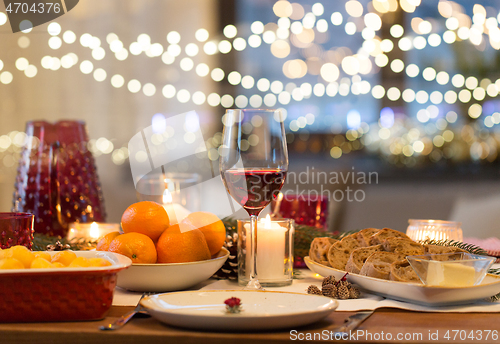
(253, 284)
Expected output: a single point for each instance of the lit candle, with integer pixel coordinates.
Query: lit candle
(421, 230)
(270, 250)
(176, 212)
(92, 231)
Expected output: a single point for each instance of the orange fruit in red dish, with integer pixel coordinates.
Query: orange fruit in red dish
(99, 262)
(212, 228)
(64, 257)
(148, 218)
(137, 246)
(41, 263)
(175, 246)
(80, 262)
(6, 253)
(42, 254)
(22, 254)
(103, 244)
(11, 263)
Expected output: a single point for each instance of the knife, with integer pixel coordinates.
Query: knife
(353, 321)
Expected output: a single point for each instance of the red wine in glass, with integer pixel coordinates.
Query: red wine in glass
(253, 189)
(253, 164)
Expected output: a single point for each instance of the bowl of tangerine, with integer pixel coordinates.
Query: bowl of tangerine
(57, 285)
(166, 256)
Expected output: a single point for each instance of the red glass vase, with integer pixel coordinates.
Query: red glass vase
(57, 179)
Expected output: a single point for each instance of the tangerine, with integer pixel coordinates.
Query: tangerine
(22, 254)
(175, 246)
(146, 217)
(99, 262)
(103, 244)
(41, 263)
(137, 246)
(211, 226)
(42, 254)
(64, 257)
(11, 263)
(5, 253)
(80, 262)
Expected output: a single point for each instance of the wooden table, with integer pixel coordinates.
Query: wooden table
(384, 326)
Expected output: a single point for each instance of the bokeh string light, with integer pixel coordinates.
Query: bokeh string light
(407, 140)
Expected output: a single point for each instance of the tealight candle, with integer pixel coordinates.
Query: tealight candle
(421, 230)
(91, 231)
(274, 251)
(176, 212)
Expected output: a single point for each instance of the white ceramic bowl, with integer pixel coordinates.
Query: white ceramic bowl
(170, 277)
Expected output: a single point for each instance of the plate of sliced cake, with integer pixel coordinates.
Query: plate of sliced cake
(375, 260)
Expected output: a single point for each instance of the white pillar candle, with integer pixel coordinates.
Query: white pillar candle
(176, 212)
(270, 250)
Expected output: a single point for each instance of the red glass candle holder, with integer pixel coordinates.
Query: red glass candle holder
(57, 179)
(305, 210)
(16, 229)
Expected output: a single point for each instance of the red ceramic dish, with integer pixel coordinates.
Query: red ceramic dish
(63, 294)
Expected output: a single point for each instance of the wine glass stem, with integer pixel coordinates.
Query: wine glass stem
(253, 248)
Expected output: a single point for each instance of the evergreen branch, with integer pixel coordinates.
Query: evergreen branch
(41, 241)
(494, 271)
(464, 246)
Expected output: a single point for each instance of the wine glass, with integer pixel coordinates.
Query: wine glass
(253, 166)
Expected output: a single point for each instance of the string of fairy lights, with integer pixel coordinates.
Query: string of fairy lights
(428, 135)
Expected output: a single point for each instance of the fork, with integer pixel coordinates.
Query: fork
(117, 324)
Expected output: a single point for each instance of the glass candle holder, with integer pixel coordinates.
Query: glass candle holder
(420, 230)
(16, 229)
(92, 231)
(274, 252)
(180, 193)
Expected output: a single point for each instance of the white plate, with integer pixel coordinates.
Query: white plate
(261, 310)
(169, 277)
(413, 292)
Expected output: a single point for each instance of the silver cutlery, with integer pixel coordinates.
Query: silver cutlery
(117, 324)
(353, 321)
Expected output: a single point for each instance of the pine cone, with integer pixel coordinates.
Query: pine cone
(312, 289)
(343, 292)
(354, 292)
(230, 268)
(330, 290)
(57, 246)
(343, 282)
(329, 280)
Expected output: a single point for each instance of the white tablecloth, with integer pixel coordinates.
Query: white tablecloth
(306, 278)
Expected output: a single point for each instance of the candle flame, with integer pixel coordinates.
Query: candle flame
(167, 197)
(267, 221)
(94, 230)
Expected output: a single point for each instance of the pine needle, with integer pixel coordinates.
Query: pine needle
(41, 241)
(494, 271)
(464, 246)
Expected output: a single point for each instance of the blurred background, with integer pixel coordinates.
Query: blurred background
(405, 89)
